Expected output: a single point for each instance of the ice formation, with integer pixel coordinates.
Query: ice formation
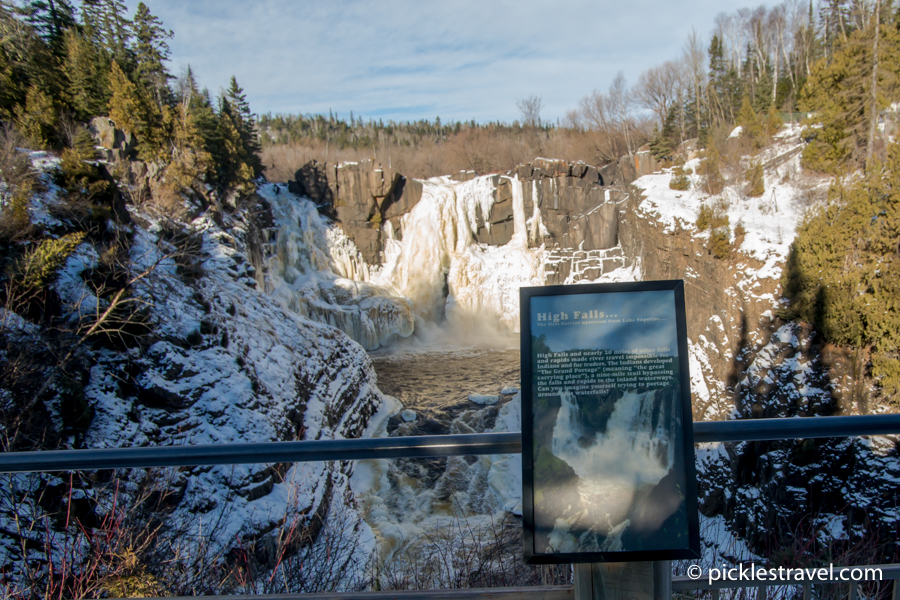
(446, 274)
(317, 272)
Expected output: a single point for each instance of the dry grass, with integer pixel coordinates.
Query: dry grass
(470, 150)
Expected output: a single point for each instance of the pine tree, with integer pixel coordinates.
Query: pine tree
(151, 50)
(755, 181)
(233, 172)
(752, 125)
(840, 94)
(51, 19)
(843, 273)
(711, 169)
(664, 142)
(87, 72)
(106, 24)
(190, 161)
(124, 103)
(245, 123)
(38, 118)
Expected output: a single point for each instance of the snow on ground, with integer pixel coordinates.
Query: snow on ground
(227, 364)
(770, 221)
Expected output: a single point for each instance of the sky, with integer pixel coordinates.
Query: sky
(409, 60)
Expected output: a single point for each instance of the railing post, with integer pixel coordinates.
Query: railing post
(623, 581)
(662, 580)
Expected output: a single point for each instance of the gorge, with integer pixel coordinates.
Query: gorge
(268, 344)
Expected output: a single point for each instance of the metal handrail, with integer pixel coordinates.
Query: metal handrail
(412, 446)
(445, 445)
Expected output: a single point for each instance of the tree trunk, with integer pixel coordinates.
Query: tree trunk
(873, 115)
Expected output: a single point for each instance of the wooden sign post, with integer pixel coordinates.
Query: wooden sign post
(607, 445)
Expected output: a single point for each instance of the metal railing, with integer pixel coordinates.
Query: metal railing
(473, 444)
(451, 445)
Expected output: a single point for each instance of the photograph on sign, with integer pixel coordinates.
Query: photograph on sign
(607, 446)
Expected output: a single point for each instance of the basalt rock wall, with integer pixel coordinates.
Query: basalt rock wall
(578, 203)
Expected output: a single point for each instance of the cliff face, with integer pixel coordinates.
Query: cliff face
(588, 222)
(218, 361)
(726, 314)
(577, 203)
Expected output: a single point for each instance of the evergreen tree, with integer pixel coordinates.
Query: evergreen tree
(246, 125)
(37, 119)
(106, 24)
(233, 171)
(664, 142)
(124, 103)
(202, 118)
(51, 19)
(190, 161)
(840, 94)
(843, 273)
(133, 111)
(753, 129)
(151, 50)
(755, 181)
(87, 72)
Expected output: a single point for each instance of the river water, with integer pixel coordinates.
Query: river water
(436, 383)
(419, 509)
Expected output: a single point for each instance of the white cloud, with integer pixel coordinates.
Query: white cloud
(407, 60)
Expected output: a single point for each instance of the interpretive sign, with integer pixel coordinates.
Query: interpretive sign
(607, 443)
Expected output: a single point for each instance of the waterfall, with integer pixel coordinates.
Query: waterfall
(315, 270)
(436, 274)
(447, 275)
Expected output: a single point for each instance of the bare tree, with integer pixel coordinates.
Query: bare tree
(656, 88)
(620, 103)
(530, 107)
(873, 112)
(694, 59)
(777, 25)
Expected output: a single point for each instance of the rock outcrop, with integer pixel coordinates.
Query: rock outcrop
(577, 202)
(116, 145)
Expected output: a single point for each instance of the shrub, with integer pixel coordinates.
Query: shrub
(755, 181)
(719, 243)
(38, 267)
(704, 217)
(14, 219)
(679, 180)
(886, 369)
(773, 121)
(711, 169)
(715, 219)
(739, 233)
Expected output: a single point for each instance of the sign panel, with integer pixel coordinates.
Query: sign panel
(607, 443)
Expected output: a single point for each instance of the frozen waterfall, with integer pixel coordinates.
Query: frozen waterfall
(315, 270)
(436, 274)
(447, 275)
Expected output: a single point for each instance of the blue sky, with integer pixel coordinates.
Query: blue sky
(407, 60)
